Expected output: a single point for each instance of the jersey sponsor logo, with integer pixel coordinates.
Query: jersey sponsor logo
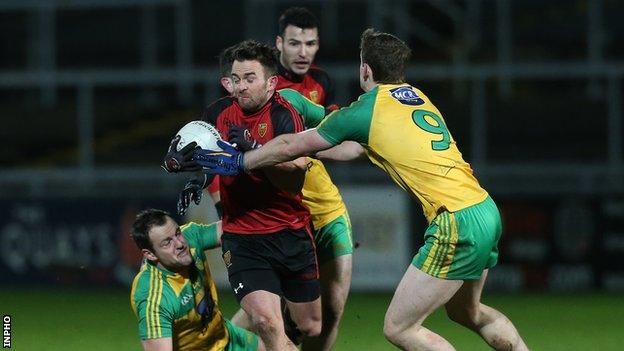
(186, 298)
(314, 96)
(262, 129)
(227, 258)
(240, 286)
(406, 96)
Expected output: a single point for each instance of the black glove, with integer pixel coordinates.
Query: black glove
(180, 161)
(192, 191)
(242, 138)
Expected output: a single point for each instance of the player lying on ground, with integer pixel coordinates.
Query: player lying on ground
(174, 295)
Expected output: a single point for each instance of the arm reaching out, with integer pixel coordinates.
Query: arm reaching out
(345, 151)
(287, 176)
(283, 148)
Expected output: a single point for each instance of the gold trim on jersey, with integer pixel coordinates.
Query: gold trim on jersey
(152, 310)
(321, 195)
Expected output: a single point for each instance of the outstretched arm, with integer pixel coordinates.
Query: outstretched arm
(286, 147)
(287, 176)
(311, 112)
(345, 151)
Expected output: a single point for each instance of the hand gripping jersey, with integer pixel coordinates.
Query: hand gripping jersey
(182, 306)
(251, 203)
(319, 192)
(406, 136)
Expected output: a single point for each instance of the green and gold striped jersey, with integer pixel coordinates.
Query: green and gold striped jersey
(182, 306)
(406, 136)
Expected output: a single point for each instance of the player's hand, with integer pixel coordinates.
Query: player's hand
(242, 138)
(180, 161)
(193, 191)
(228, 161)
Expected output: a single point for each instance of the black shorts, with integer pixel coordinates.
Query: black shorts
(283, 263)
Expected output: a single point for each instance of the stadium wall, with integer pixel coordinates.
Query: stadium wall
(554, 243)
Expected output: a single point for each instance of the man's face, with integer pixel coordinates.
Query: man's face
(251, 88)
(170, 247)
(297, 48)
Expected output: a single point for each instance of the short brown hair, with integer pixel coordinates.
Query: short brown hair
(251, 50)
(143, 223)
(386, 55)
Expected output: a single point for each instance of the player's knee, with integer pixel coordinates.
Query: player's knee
(265, 324)
(391, 330)
(310, 327)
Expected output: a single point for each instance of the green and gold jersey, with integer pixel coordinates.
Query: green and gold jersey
(182, 306)
(320, 194)
(406, 136)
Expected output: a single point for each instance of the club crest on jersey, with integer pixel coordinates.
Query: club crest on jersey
(406, 96)
(262, 129)
(227, 258)
(314, 96)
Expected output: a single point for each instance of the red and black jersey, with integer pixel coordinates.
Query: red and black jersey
(315, 85)
(251, 203)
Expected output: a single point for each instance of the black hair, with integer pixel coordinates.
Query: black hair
(298, 17)
(143, 223)
(251, 50)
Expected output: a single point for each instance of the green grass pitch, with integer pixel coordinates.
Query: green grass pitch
(70, 319)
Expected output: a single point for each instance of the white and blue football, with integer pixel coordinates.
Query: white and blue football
(203, 133)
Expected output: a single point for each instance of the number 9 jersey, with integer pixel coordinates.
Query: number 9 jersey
(406, 136)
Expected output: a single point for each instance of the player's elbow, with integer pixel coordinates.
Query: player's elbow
(355, 150)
